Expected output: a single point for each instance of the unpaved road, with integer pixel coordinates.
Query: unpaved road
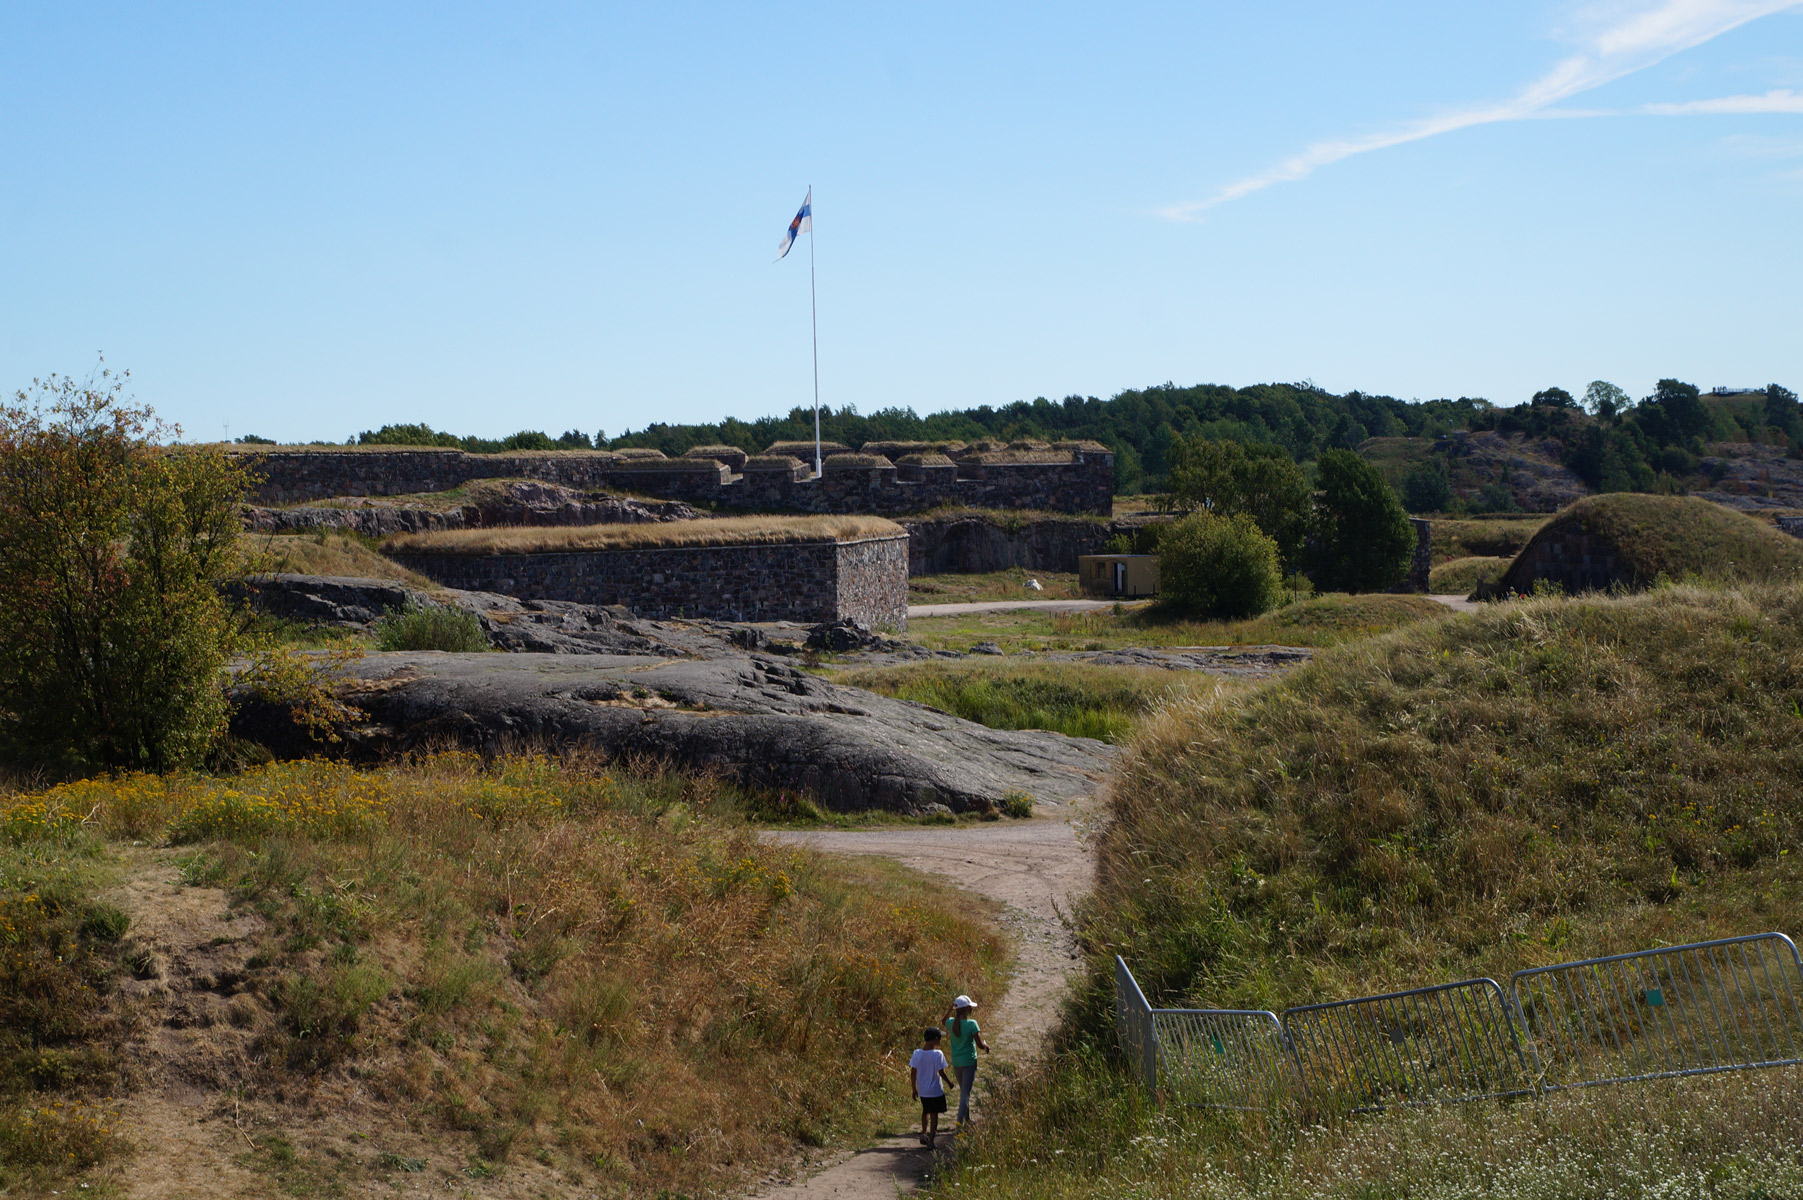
(1038, 869)
(988, 606)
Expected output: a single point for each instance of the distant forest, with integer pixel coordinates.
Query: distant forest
(1614, 442)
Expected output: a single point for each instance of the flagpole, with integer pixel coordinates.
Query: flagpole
(814, 314)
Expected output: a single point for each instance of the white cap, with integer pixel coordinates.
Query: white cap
(964, 1002)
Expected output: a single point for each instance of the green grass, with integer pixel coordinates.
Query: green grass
(1539, 782)
(1494, 537)
(1680, 537)
(1318, 621)
(1010, 584)
(430, 627)
(1069, 698)
(1462, 575)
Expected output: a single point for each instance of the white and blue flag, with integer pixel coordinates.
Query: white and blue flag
(803, 223)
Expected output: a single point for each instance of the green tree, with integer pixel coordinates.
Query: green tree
(1218, 566)
(113, 630)
(1228, 478)
(1363, 541)
(1603, 399)
(1426, 489)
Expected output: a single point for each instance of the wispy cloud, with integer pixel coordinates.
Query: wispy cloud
(1646, 36)
(1778, 100)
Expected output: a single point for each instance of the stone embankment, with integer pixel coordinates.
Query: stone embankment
(1077, 478)
(515, 503)
(968, 543)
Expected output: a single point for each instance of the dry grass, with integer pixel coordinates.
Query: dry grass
(1713, 1138)
(721, 531)
(1009, 457)
(539, 962)
(805, 450)
(328, 553)
(1540, 782)
(1010, 584)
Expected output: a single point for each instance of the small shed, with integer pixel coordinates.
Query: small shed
(1118, 574)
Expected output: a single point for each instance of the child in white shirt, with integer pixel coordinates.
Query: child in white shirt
(928, 1079)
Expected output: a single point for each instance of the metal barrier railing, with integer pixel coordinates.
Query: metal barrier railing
(1224, 1058)
(1450, 1042)
(1727, 1005)
(1133, 1025)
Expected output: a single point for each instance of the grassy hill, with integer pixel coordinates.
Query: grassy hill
(1542, 781)
(1675, 537)
(531, 977)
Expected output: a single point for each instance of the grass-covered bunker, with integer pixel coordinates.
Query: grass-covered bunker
(1632, 540)
(733, 569)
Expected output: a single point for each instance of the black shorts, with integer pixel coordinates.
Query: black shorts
(932, 1104)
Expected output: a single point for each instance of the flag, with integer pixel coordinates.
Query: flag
(803, 223)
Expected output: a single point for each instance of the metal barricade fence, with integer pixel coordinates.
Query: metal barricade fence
(1450, 1042)
(1133, 1025)
(1726, 1005)
(1223, 1058)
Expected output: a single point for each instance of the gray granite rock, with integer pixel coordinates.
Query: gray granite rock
(751, 717)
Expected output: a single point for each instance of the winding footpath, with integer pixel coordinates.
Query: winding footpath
(1037, 869)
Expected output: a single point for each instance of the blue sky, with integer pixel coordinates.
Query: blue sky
(308, 220)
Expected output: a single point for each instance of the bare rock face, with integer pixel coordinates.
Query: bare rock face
(536, 626)
(751, 717)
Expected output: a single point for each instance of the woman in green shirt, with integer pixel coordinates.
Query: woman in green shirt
(966, 1039)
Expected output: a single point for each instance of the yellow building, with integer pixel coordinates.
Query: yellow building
(1123, 575)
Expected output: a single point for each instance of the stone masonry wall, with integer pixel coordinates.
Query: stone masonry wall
(1569, 556)
(809, 582)
(1083, 485)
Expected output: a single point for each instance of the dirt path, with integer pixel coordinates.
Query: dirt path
(1038, 869)
(984, 606)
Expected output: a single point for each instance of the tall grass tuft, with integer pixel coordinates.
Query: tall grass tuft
(430, 627)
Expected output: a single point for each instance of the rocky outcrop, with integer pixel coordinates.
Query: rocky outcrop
(533, 626)
(523, 502)
(752, 717)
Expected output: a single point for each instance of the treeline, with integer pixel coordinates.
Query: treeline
(1610, 440)
(1615, 444)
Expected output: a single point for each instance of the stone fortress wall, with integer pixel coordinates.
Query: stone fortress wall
(865, 579)
(1071, 477)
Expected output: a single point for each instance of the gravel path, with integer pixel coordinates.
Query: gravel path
(988, 606)
(1038, 869)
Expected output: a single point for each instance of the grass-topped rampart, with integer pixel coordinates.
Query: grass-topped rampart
(1667, 537)
(723, 531)
(1542, 781)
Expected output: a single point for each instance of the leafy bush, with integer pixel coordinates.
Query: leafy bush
(1363, 540)
(1218, 567)
(430, 627)
(113, 631)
